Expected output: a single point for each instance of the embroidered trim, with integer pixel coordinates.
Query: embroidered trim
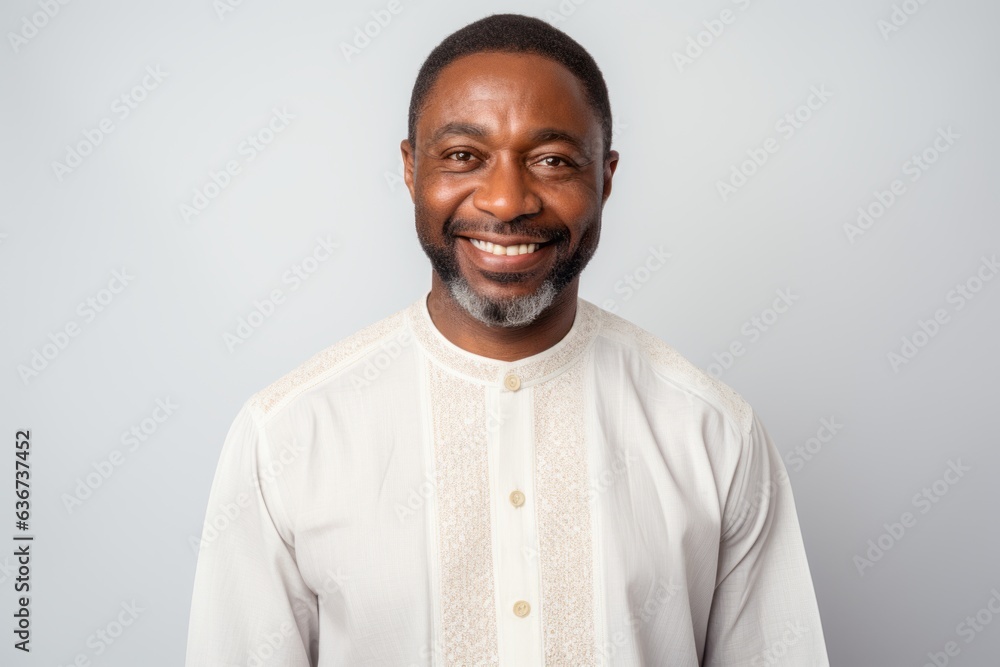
(465, 544)
(564, 528)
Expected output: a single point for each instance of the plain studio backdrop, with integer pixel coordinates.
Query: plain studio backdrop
(199, 195)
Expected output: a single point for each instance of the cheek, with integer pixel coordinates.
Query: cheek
(575, 208)
(442, 196)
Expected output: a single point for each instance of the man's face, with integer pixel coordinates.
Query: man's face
(508, 182)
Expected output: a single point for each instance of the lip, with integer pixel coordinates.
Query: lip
(489, 262)
(504, 240)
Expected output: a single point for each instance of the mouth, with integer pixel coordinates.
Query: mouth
(507, 249)
(506, 253)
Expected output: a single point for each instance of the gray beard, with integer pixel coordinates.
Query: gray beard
(505, 313)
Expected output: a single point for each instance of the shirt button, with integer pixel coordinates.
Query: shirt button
(512, 382)
(521, 608)
(516, 498)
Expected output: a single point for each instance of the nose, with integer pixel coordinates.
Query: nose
(506, 191)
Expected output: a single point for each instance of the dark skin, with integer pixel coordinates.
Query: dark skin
(496, 176)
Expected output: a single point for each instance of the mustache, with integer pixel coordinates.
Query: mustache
(517, 226)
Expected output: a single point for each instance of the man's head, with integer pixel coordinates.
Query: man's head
(509, 147)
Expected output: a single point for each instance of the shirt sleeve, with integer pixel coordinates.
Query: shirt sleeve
(764, 611)
(250, 605)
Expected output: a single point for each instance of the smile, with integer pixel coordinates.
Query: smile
(497, 249)
(490, 256)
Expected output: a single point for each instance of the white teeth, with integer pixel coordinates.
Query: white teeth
(496, 249)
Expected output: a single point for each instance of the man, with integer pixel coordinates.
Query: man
(502, 473)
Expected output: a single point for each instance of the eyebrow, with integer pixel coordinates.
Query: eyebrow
(456, 128)
(543, 135)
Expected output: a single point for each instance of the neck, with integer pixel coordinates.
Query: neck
(503, 343)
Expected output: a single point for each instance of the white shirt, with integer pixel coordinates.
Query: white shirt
(398, 501)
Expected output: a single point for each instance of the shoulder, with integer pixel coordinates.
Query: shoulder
(676, 371)
(329, 363)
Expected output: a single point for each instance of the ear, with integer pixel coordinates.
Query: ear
(610, 164)
(408, 162)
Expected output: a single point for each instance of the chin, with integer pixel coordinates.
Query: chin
(503, 310)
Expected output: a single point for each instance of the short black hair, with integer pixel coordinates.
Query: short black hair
(514, 33)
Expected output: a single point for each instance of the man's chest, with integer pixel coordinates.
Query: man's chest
(551, 520)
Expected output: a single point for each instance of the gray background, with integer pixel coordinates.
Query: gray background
(333, 171)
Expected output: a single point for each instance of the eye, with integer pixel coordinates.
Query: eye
(560, 161)
(460, 156)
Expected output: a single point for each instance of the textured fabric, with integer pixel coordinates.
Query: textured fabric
(399, 501)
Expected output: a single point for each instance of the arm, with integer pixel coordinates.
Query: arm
(250, 605)
(764, 610)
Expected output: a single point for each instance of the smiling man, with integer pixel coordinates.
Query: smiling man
(502, 473)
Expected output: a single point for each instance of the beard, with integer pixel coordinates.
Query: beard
(516, 311)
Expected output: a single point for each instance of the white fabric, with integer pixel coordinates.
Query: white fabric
(361, 512)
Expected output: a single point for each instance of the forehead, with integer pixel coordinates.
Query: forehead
(507, 92)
